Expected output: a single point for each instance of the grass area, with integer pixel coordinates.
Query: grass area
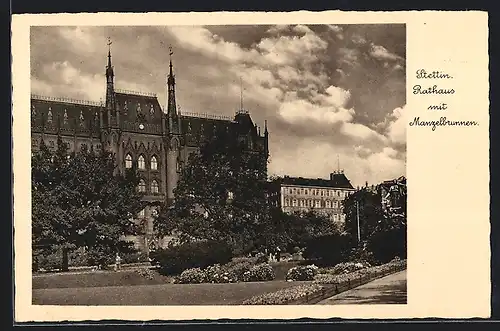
(95, 279)
(165, 294)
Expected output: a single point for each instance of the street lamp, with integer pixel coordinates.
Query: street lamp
(357, 221)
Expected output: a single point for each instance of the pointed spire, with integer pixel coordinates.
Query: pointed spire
(109, 52)
(171, 77)
(338, 163)
(265, 128)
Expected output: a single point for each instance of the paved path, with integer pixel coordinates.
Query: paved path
(389, 289)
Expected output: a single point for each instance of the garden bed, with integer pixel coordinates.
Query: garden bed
(325, 285)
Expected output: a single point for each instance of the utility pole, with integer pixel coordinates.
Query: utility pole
(357, 219)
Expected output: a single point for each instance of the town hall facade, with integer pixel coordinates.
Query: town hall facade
(135, 127)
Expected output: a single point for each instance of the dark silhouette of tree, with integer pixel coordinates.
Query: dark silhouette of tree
(81, 200)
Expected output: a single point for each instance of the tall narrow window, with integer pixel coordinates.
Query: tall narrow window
(154, 186)
(154, 163)
(49, 116)
(141, 163)
(128, 161)
(142, 186)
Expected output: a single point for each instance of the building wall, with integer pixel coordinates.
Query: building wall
(325, 200)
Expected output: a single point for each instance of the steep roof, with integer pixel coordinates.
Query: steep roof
(339, 181)
(67, 114)
(138, 105)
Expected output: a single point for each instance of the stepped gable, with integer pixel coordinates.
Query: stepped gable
(80, 114)
(138, 106)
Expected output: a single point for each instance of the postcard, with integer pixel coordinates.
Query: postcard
(245, 165)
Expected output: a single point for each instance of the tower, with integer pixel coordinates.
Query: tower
(173, 139)
(111, 136)
(110, 75)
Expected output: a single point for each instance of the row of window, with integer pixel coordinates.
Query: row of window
(154, 187)
(141, 162)
(311, 203)
(316, 192)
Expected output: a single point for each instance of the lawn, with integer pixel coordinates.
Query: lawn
(95, 279)
(165, 294)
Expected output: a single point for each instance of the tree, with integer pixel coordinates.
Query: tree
(81, 200)
(221, 195)
(363, 205)
(382, 230)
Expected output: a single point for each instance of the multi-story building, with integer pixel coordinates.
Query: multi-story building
(324, 196)
(393, 195)
(134, 126)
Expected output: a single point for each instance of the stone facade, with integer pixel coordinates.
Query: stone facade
(136, 128)
(324, 196)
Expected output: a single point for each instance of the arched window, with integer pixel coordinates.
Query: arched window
(154, 186)
(128, 161)
(142, 186)
(328, 204)
(49, 116)
(154, 163)
(141, 162)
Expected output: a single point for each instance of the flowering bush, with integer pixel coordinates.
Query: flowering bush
(260, 272)
(191, 276)
(284, 295)
(302, 273)
(236, 270)
(146, 273)
(216, 274)
(331, 278)
(348, 267)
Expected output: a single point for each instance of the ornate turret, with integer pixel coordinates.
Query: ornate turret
(110, 91)
(173, 118)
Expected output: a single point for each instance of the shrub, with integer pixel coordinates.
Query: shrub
(329, 250)
(347, 267)
(146, 273)
(302, 273)
(191, 276)
(237, 270)
(260, 272)
(134, 257)
(199, 254)
(46, 260)
(216, 274)
(261, 258)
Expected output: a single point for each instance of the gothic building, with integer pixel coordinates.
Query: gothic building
(136, 128)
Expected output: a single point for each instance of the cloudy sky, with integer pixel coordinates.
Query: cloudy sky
(325, 90)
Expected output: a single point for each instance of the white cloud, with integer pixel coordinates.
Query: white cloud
(80, 37)
(277, 29)
(396, 130)
(381, 53)
(302, 29)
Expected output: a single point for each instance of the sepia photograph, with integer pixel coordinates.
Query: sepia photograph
(218, 165)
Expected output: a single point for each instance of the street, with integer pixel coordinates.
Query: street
(387, 290)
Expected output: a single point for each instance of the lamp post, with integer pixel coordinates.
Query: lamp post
(357, 221)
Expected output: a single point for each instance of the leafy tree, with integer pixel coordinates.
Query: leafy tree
(221, 195)
(81, 200)
(382, 232)
(365, 205)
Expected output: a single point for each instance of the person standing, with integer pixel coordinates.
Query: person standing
(118, 261)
